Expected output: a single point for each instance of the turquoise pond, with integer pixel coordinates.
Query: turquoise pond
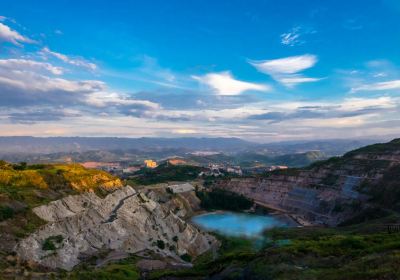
(239, 224)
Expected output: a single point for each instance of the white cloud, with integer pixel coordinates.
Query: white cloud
(12, 36)
(286, 70)
(292, 38)
(104, 98)
(29, 65)
(354, 104)
(287, 65)
(292, 81)
(73, 61)
(388, 85)
(224, 84)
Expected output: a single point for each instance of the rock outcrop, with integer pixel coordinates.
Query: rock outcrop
(328, 192)
(83, 225)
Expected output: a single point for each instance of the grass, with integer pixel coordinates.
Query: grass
(122, 270)
(23, 187)
(363, 251)
(165, 173)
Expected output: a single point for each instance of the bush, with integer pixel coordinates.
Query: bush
(186, 257)
(6, 213)
(160, 244)
(223, 200)
(50, 242)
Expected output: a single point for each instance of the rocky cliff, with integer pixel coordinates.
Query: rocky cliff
(81, 226)
(327, 192)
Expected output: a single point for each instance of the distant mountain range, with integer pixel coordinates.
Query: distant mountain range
(47, 145)
(42, 145)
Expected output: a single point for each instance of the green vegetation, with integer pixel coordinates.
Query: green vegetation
(122, 270)
(6, 213)
(386, 191)
(23, 187)
(363, 251)
(51, 243)
(160, 244)
(218, 199)
(186, 257)
(387, 148)
(165, 173)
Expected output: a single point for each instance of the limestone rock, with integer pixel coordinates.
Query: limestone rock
(124, 220)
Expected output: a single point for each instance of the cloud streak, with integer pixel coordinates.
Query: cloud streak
(223, 83)
(9, 35)
(388, 85)
(287, 70)
(46, 52)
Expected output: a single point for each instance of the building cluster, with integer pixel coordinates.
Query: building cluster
(149, 163)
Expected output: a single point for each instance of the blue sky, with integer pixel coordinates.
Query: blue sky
(259, 70)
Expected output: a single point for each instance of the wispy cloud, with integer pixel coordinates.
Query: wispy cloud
(286, 70)
(72, 61)
(292, 38)
(29, 65)
(388, 85)
(223, 83)
(9, 35)
(295, 36)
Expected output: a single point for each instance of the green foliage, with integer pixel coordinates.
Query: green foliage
(363, 251)
(160, 244)
(6, 213)
(20, 166)
(186, 257)
(218, 199)
(165, 173)
(122, 270)
(51, 242)
(386, 192)
(392, 146)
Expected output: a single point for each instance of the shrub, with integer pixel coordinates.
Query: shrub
(186, 257)
(6, 213)
(50, 242)
(223, 200)
(160, 244)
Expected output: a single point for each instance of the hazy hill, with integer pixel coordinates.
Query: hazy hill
(29, 145)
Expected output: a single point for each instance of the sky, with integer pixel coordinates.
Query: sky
(260, 70)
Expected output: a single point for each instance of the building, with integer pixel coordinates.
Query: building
(149, 163)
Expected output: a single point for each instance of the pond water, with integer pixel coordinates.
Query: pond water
(239, 224)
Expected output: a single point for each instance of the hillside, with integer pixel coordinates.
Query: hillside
(333, 191)
(23, 187)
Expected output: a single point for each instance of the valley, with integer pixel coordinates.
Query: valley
(62, 219)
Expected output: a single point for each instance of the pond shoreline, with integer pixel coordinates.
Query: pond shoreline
(250, 225)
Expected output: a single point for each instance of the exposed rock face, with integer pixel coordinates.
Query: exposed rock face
(125, 220)
(327, 193)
